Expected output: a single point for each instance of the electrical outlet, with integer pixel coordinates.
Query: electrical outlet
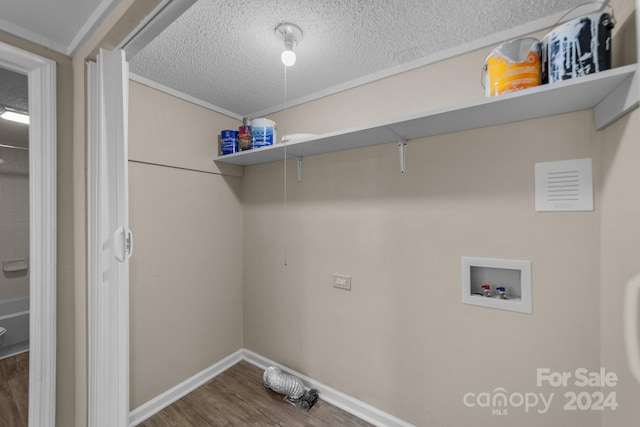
(342, 282)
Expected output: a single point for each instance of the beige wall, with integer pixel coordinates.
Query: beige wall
(14, 218)
(620, 231)
(620, 261)
(442, 84)
(401, 339)
(14, 208)
(186, 274)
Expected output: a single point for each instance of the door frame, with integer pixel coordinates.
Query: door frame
(109, 240)
(41, 73)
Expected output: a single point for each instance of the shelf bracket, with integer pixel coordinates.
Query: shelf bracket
(620, 101)
(299, 164)
(402, 148)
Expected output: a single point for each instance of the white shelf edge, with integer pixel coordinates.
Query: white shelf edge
(606, 92)
(623, 99)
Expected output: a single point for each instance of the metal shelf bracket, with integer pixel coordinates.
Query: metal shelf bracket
(299, 164)
(402, 147)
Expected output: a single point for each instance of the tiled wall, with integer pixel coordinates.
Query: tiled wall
(14, 220)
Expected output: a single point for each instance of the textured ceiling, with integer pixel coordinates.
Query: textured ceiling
(225, 52)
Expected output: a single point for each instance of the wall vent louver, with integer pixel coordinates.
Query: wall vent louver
(564, 186)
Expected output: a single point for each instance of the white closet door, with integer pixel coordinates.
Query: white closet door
(109, 241)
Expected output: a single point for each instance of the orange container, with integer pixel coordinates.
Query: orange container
(512, 66)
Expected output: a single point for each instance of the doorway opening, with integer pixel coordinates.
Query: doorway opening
(14, 246)
(41, 228)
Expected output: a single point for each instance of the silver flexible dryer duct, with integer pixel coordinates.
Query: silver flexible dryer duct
(292, 387)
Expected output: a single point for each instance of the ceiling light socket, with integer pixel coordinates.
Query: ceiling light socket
(290, 33)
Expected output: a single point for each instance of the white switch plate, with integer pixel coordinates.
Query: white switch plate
(342, 282)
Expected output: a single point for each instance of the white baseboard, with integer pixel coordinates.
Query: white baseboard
(160, 402)
(330, 395)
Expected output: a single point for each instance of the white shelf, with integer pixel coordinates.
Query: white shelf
(618, 88)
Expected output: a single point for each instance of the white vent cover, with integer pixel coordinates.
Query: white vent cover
(564, 186)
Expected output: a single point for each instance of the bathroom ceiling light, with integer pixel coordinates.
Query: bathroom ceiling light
(291, 34)
(14, 116)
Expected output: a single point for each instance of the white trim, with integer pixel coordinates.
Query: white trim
(181, 95)
(108, 265)
(32, 36)
(93, 256)
(330, 395)
(97, 17)
(356, 407)
(157, 404)
(157, 21)
(41, 73)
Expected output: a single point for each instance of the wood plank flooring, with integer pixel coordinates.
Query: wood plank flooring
(237, 398)
(14, 390)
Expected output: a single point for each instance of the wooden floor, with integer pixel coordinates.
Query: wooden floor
(14, 390)
(237, 398)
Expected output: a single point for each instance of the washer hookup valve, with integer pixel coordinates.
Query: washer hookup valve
(503, 292)
(487, 290)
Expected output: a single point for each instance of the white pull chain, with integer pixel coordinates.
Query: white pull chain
(284, 216)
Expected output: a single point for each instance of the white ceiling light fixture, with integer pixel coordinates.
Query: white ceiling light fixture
(291, 34)
(15, 116)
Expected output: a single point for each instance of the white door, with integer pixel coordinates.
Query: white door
(109, 240)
